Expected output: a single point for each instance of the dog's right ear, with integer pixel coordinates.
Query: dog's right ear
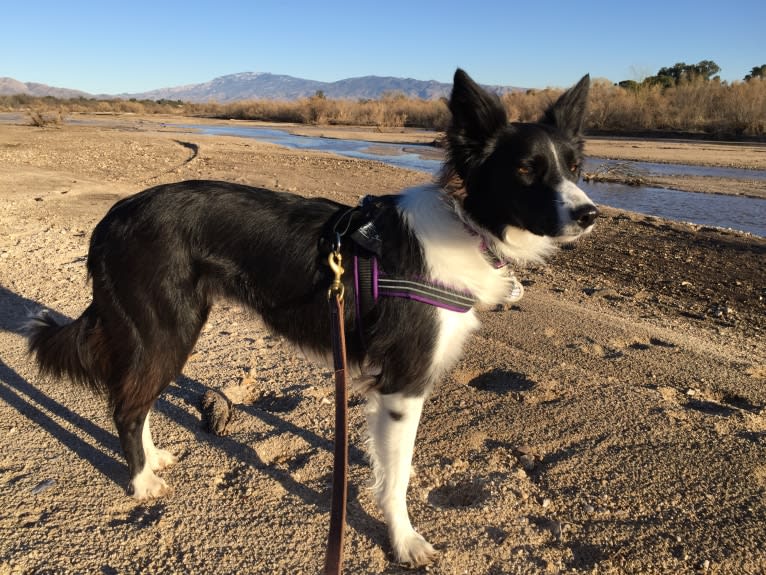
(477, 115)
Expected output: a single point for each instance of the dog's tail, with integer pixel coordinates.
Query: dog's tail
(67, 350)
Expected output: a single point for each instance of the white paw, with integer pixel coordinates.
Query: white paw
(160, 459)
(413, 550)
(147, 485)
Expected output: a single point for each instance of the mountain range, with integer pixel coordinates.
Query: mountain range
(265, 86)
(9, 87)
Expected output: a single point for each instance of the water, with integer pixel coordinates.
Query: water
(394, 154)
(735, 212)
(658, 169)
(726, 211)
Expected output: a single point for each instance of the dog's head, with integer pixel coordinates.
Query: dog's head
(519, 177)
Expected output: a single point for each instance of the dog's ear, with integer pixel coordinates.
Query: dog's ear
(476, 116)
(568, 113)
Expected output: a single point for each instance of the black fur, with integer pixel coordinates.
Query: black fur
(160, 259)
(489, 155)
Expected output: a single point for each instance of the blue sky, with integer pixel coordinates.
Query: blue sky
(114, 47)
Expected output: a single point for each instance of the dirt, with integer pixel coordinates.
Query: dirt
(612, 421)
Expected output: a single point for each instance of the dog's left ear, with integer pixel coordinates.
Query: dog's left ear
(477, 115)
(568, 113)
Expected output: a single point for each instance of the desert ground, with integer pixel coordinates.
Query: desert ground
(612, 421)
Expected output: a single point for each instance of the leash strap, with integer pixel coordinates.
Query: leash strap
(334, 556)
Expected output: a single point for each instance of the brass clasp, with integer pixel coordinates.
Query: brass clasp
(334, 260)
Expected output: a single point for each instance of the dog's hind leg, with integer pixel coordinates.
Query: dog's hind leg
(131, 423)
(156, 459)
(392, 421)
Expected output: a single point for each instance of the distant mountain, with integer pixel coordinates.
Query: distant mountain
(252, 85)
(264, 86)
(9, 87)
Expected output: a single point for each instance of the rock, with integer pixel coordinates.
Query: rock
(527, 462)
(43, 486)
(217, 412)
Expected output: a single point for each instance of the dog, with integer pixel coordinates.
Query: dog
(159, 260)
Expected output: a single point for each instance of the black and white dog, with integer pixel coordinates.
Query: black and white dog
(161, 258)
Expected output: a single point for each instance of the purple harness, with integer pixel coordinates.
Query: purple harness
(372, 283)
(369, 277)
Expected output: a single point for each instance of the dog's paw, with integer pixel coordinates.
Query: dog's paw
(160, 459)
(146, 485)
(413, 550)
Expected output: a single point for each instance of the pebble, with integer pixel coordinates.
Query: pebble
(527, 462)
(43, 486)
(557, 529)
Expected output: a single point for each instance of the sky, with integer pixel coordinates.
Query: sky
(121, 47)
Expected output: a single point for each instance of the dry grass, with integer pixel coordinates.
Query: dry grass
(695, 106)
(41, 119)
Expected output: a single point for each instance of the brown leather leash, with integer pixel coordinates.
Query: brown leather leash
(334, 557)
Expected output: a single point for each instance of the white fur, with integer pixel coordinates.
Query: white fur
(571, 198)
(454, 329)
(392, 422)
(146, 485)
(452, 253)
(524, 247)
(156, 459)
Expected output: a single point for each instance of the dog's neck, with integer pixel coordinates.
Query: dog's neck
(517, 248)
(453, 254)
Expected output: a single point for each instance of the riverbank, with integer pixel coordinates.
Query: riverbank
(742, 155)
(613, 420)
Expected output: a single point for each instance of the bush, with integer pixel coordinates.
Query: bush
(41, 119)
(693, 104)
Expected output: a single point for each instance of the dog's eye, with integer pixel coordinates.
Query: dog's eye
(524, 170)
(574, 168)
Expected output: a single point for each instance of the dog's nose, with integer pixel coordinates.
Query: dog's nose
(585, 215)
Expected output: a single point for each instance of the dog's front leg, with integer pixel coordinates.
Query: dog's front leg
(392, 422)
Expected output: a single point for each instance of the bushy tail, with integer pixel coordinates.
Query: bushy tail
(66, 350)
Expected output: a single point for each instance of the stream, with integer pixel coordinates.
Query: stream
(718, 210)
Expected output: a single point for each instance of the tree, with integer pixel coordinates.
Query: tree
(756, 72)
(705, 69)
(675, 72)
(664, 80)
(630, 85)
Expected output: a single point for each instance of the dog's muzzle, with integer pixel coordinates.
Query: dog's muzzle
(584, 215)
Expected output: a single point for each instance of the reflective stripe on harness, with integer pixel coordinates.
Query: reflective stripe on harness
(371, 283)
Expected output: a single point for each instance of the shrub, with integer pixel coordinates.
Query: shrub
(692, 104)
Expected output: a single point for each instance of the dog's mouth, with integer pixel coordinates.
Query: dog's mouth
(566, 237)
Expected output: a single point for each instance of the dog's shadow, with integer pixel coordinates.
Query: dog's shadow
(42, 409)
(190, 391)
(104, 452)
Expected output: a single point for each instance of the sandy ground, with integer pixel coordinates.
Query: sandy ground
(613, 421)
